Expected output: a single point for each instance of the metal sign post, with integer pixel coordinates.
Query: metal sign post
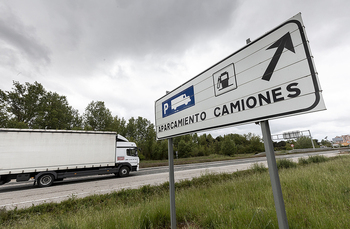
(171, 183)
(275, 180)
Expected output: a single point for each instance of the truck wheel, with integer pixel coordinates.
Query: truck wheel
(4, 180)
(124, 171)
(46, 180)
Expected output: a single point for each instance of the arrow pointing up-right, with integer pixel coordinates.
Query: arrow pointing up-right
(280, 44)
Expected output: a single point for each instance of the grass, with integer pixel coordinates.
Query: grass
(316, 195)
(210, 158)
(312, 159)
(285, 164)
(191, 160)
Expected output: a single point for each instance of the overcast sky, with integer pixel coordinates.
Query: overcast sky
(128, 53)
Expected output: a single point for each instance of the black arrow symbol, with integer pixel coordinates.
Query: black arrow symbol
(280, 44)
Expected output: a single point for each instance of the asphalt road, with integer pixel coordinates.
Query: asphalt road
(24, 194)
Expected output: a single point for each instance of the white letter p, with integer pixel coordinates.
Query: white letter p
(166, 106)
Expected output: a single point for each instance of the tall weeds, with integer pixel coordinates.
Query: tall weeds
(316, 196)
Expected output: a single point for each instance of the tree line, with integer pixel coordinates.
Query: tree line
(31, 106)
(303, 142)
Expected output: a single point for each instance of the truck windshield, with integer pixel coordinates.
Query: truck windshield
(131, 152)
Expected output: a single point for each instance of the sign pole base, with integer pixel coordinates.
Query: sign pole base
(275, 180)
(172, 183)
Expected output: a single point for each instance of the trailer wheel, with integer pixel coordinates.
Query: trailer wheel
(4, 179)
(124, 171)
(46, 180)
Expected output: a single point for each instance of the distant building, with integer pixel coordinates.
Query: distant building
(346, 138)
(342, 140)
(337, 140)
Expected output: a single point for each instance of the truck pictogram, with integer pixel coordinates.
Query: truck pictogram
(181, 100)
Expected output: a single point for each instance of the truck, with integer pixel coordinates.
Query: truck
(46, 156)
(179, 101)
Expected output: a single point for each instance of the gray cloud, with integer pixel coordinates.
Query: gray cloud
(20, 41)
(128, 53)
(139, 28)
(85, 36)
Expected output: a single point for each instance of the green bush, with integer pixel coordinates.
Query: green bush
(312, 159)
(317, 159)
(285, 164)
(258, 168)
(303, 161)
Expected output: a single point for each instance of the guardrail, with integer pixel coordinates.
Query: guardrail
(316, 149)
(310, 150)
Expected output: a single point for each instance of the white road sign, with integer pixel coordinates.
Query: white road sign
(271, 77)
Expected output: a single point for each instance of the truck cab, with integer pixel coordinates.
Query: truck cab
(126, 154)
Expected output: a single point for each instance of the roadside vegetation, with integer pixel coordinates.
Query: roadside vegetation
(31, 106)
(191, 160)
(316, 192)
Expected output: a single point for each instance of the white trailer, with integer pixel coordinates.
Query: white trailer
(52, 155)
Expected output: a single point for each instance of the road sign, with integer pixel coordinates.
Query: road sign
(291, 135)
(272, 77)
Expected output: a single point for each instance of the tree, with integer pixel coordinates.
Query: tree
(119, 125)
(31, 106)
(228, 146)
(303, 142)
(3, 112)
(55, 113)
(160, 151)
(202, 140)
(281, 145)
(326, 143)
(205, 145)
(97, 117)
(131, 129)
(255, 144)
(77, 121)
(144, 135)
(210, 143)
(149, 141)
(184, 149)
(23, 103)
(142, 125)
(242, 140)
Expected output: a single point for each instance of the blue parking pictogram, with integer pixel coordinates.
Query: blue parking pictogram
(179, 102)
